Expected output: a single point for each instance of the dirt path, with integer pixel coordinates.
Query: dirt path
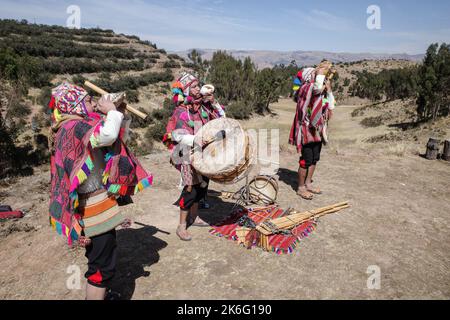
(399, 221)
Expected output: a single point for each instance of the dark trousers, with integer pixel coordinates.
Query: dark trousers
(310, 154)
(102, 256)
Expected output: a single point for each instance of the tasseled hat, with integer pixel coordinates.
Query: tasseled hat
(180, 88)
(67, 98)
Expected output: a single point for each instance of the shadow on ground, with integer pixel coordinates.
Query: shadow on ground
(289, 177)
(137, 249)
(220, 209)
(408, 125)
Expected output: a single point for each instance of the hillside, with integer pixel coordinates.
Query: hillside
(349, 70)
(66, 54)
(121, 62)
(268, 59)
(36, 58)
(118, 62)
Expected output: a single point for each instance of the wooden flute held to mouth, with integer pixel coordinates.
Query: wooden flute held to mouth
(102, 92)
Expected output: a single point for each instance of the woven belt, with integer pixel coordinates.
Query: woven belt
(97, 208)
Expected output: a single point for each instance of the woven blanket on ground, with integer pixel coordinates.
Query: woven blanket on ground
(280, 244)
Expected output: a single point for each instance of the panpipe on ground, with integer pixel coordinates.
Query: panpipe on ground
(246, 235)
(294, 219)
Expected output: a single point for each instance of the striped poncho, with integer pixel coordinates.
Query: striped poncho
(309, 117)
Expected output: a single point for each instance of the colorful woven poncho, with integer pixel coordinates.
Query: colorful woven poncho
(71, 161)
(308, 122)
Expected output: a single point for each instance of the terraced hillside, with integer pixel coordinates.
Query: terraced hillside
(94, 54)
(52, 54)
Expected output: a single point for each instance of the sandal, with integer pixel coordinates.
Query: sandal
(305, 194)
(313, 190)
(183, 234)
(199, 222)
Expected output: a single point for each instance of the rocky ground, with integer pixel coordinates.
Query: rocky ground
(399, 222)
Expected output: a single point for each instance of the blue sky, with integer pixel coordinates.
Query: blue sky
(408, 26)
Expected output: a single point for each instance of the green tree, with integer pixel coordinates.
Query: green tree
(199, 65)
(434, 81)
(267, 89)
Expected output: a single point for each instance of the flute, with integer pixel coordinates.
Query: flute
(102, 92)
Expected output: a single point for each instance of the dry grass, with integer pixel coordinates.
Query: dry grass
(398, 149)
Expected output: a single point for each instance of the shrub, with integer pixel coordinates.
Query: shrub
(346, 82)
(175, 57)
(156, 132)
(18, 110)
(44, 97)
(239, 110)
(78, 80)
(130, 83)
(83, 65)
(137, 148)
(188, 65)
(138, 122)
(372, 122)
(171, 64)
(148, 43)
(132, 96)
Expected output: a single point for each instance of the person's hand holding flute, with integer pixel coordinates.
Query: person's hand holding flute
(103, 92)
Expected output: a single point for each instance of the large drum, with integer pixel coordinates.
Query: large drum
(224, 160)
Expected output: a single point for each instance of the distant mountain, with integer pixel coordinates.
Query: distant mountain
(268, 58)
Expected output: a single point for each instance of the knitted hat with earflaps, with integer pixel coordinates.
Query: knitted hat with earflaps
(67, 98)
(180, 88)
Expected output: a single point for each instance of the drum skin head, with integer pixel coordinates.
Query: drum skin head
(263, 190)
(222, 156)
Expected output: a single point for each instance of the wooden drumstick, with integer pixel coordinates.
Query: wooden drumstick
(102, 92)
